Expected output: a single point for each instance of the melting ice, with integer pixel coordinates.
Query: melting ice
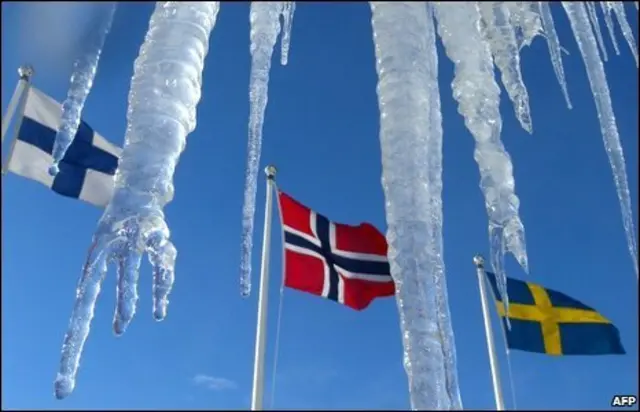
(84, 71)
(165, 90)
(265, 27)
(475, 36)
(410, 139)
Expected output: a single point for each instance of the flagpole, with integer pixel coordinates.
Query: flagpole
(261, 329)
(493, 358)
(18, 100)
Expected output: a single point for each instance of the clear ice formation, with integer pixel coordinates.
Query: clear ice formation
(84, 71)
(618, 9)
(472, 34)
(411, 143)
(600, 89)
(501, 35)
(478, 97)
(288, 9)
(595, 24)
(165, 90)
(555, 51)
(606, 11)
(265, 27)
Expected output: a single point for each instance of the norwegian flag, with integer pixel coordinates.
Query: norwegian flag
(343, 263)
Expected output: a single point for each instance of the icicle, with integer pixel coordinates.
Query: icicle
(288, 8)
(598, 82)
(606, 11)
(593, 18)
(165, 90)
(618, 9)
(554, 48)
(435, 188)
(265, 27)
(478, 97)
(411, 138)
(84, 71)
(501, 35)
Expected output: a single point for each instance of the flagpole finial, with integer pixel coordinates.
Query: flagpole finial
(25, 72)
(478, 260)
(270, 171)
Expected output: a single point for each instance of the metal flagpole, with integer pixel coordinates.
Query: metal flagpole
(17, 95)
(18, 100)
(261, 329)
(493, 358)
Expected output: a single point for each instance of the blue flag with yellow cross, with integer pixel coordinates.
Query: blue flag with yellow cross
(547, 321)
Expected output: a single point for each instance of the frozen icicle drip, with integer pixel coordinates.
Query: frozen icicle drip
(288, 8)
(593, 18)
(496, 29)
(618, 9)
(265, 27)
(606, 12)
(435, 188)
(554, 48)
(598, 81)
(84, 71)
(502, 37)
(165, 90)
(478, 97)
(407, 95)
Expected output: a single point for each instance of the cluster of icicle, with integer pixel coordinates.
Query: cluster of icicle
(84, 71)
(265, 27)
(476, 36)
(165, 90)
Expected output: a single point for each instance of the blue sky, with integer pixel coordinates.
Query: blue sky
(321, 131)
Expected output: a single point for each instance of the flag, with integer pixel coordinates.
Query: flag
(343, 263)
(550, 322)
(87, 169)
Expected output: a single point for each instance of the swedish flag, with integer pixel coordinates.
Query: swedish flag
(550, 322)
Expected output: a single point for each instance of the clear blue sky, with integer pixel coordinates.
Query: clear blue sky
(321, 131)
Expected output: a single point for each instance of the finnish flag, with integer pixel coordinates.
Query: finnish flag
(88, 168)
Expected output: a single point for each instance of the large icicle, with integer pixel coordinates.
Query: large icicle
(478, 97)
(265, 27)
(618, 9)
(435, 188)
(606, 12)
(165, 90)
(288, 9)
(411, 161)
(84, 71)
(554, 48)
(593, 18)
(502, 37)
(598, 82)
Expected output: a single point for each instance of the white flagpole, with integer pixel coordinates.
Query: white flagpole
(493, 358)
(261, 329)
(19, 100)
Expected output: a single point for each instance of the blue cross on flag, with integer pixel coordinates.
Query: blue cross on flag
(88, 168)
